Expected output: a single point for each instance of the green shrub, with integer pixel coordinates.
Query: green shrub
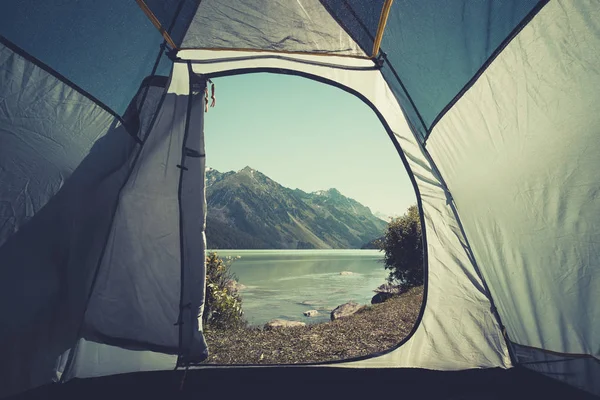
(403, 248)
(222, 304)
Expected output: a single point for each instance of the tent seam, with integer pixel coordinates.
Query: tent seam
(302, 53)
(183, 168)
(513, 34)
(284, 58)
(468, 249)
(408, 96)
(452, 205)
(46, 68)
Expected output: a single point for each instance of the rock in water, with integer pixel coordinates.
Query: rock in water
(345, 310)
(346, 273)
(313, 303)
(282, 323)
(234, 286)
(311, 313)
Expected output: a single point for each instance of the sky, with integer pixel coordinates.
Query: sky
(306, 135)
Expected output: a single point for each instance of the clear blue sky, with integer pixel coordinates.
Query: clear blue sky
(306, 135)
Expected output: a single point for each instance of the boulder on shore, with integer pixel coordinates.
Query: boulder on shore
(386, 292)
(345, 310)
(311, 313)
(381, 297)
(391, 289)
(282, 323)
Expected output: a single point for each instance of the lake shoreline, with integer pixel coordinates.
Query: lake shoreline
(376, 328)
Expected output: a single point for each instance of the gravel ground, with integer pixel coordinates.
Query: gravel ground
(375, 328)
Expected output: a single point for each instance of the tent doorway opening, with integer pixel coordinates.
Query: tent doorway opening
(301, 185)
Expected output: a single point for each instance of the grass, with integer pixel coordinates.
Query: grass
(374, 328)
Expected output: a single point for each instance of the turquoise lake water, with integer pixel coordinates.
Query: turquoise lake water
(285, 283)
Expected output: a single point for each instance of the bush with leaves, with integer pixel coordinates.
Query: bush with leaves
(403, 248)
(222, 304)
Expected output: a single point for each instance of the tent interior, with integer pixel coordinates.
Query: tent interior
(491, 106)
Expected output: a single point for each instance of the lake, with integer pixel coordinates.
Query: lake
(285, 283)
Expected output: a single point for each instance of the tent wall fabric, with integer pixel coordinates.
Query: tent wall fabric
(92, 360)
(360, 19)
(535, 216)
(435, 48)
(171, 267)
(106, 48)
(55, 140)
(139, 280)
(489, 104)
(576, 370)
(71, 282)
(63, 158)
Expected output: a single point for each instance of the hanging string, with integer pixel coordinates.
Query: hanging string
(213, 96)
(206, 99)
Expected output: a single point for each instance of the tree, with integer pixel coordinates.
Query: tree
(403, 247)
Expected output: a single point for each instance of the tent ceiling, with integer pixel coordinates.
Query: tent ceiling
(346, 27)
(275, 25)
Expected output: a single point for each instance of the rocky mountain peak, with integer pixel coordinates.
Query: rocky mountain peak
(247, 209)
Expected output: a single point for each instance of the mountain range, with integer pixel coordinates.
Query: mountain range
(249, 210)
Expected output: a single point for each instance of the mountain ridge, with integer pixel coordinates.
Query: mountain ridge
(247, 209)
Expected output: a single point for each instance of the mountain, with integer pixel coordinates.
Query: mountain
(249, 210)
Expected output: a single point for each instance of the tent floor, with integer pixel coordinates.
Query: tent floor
(334, 383)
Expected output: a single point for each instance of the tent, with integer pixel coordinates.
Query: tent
(490, 104)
